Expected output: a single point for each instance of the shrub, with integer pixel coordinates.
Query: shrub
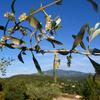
(41, 93)
(14, 91)
(90, 89)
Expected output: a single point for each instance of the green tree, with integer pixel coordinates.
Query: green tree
(4, 62)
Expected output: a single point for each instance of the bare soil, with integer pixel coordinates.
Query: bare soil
(68, 97)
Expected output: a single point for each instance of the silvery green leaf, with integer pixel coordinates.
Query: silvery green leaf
(95, 51)
(34, 22)
(97, 32)
(58, 21)
(91, 31)
(96, 26)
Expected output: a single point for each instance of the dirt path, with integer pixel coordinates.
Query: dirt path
(68, 97)
(65, 98)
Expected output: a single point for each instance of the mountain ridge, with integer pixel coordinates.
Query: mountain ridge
(69, 74)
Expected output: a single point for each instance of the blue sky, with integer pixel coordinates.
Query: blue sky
(74, 13)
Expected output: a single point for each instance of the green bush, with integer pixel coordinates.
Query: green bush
(29, 88)
(90, 89)
(43, 88)
(41, 93)
(14, 91)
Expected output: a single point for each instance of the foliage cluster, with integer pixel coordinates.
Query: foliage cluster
(4, 62)
(36, 87)
(29, 88)
(46, 31)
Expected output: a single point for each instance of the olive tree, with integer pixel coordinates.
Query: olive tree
(40, 33)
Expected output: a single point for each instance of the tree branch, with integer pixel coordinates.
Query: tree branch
(38, 10)
(67, 51)
(44, 7)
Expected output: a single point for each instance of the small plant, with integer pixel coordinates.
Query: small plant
(4, 63)
(90, 89)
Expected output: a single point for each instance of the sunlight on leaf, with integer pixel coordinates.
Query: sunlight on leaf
(10, 16)
(34, 22)
(92, 36)
(59, 2)
(54, 41)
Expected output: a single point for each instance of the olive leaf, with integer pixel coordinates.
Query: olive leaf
(33, 34)
(57, 27)
(2, 27)
(15, 40)
(57, 20)
(96, 33)
(12, 6)
(59, 2)
(52, 44)
(10, 16)
(10, 46)
(22, 17)
(20, 57)
(23, 30)
(37, 48)
(95, 65)
(2, 44)
(81, 44)
(36, 63)
(31, 11)
(49, 23)
(54, 41)
(95, 51)
(96, 25)
(27, 28)
(48, 20)
(94, 4)
(34, 22)
(79, 36)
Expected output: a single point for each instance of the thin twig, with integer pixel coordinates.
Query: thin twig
(44, 7)
(38, 10)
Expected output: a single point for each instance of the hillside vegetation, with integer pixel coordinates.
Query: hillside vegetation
(40, 87)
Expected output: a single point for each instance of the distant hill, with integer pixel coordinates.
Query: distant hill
(71, 75)
(68, 74)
